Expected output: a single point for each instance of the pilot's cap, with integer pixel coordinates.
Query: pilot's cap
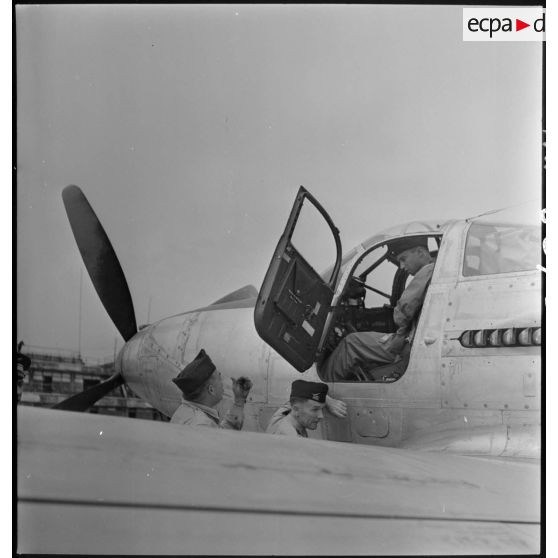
(195, 373)
(399, 245)
(316, 391)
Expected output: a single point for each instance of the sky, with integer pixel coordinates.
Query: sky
(190, 128)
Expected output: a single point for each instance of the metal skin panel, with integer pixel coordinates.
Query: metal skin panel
(450, 256)
(373, 423)
(421, 423)
(499, 378)
(513, 300)
(155, 488)
(495, 382)
(495, 440)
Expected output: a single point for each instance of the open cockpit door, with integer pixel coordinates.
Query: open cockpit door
(294, 300)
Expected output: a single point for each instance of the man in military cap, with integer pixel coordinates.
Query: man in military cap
(23, 364)
(305, 411)
(368, 349)
(202, 389)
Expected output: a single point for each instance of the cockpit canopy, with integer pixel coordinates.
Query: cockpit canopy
(412, 228)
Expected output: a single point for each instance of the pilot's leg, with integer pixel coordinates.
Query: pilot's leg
(366, 348)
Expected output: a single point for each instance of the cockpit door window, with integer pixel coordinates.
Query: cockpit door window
(294, 300)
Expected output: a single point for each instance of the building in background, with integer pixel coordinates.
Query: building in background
(57, 374)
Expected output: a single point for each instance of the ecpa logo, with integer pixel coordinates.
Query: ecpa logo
(503, 24)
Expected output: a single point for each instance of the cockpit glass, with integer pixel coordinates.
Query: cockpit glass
(492, 249)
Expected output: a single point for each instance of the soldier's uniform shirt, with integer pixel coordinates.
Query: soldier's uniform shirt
(195, 414)
(369, 348)
(280, 423)
(409, 304)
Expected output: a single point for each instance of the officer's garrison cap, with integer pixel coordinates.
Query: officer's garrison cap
(315, 391)
(195, 373)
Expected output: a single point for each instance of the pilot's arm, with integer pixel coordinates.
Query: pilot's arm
(409, 305)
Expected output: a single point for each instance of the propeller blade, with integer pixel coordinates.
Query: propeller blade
(101, 261)
(82, 401)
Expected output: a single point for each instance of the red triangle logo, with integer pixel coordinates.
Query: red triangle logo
(519, 25)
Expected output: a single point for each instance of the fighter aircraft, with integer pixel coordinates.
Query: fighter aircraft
(469, 384)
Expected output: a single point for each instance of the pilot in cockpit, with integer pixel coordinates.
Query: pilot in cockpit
(361, 351)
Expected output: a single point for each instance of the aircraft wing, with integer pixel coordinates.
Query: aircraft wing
(90, 484)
